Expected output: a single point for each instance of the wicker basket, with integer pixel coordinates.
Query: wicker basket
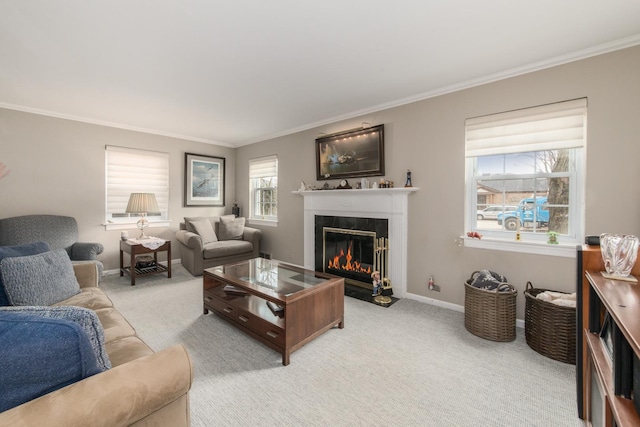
(550, 329)
(490, 314)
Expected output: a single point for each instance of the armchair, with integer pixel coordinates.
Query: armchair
(58, 231)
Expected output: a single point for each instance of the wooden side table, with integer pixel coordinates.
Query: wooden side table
(133, 248)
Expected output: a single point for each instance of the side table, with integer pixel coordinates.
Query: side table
(133, 248)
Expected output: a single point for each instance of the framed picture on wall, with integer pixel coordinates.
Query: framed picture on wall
(353, 153)
(204, 178)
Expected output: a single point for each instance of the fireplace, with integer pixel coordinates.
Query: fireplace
(384, 203)
(348, 247)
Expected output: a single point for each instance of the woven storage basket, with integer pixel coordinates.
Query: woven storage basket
(490, 314)
(550, 329)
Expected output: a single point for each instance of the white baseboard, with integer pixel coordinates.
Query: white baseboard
(448, 305)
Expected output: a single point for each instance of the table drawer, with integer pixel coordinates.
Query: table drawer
(220, 306)
(263, 328)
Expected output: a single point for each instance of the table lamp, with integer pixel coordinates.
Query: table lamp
(142, 203)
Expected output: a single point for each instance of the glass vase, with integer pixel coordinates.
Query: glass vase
(619, 253)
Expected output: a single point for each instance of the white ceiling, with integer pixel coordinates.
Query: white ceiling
(240, 71)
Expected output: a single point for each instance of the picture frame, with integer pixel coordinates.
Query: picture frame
(204, 180)
(351, 154)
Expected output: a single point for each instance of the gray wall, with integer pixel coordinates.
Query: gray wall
(428, 138)
(58, 167)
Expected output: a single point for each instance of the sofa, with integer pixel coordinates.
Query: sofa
(140, 387)
(207, 242)
(57, 230)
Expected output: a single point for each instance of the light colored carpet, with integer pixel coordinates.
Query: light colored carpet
(407, 365)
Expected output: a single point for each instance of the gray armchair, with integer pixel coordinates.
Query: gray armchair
(58, 231)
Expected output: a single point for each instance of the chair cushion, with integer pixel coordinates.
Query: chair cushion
(85, 318)
(225, 248)
(42, 279)
(19, 250)
(39, 355)
(204, 229)
(231, 228)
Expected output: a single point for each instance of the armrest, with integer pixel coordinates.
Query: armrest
(189, 239)
(252, 235)
(85, 251)
(120, 396)
(87, 274)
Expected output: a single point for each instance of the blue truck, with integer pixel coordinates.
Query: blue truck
(529, 210)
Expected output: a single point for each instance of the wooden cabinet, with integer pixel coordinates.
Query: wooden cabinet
(608, 337)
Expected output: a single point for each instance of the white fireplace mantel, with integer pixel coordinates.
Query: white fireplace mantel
(388, 203)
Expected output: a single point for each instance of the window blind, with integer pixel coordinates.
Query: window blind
(546, 127)
(263, 167)
(135, 171)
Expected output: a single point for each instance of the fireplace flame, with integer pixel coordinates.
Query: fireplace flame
(349, 264)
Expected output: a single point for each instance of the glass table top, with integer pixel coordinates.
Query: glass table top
(273, 275)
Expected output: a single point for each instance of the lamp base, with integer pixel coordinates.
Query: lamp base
(142, 224)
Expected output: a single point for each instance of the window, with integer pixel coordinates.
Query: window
(533, 160)
(135, 171)
(263, 188)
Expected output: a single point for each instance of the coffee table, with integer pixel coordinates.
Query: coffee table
(310, 302)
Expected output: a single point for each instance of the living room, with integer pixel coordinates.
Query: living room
(57, 166)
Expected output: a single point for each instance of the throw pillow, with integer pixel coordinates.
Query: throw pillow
(19, 250)
(231, 228)
(204, 229)
(189, 219)
(39, 355)
(42, 279)
(83, 317)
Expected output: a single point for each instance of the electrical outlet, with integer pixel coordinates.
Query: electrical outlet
(436, 288)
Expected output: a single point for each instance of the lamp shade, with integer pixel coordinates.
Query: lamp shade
(142, 203)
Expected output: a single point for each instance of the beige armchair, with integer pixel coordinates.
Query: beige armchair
(203, 250)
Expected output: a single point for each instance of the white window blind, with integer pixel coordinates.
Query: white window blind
(263, 167)
(135, 171)
(546, 127)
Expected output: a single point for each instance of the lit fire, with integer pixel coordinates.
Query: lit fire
(349, 264)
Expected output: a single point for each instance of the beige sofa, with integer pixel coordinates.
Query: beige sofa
(142, 388)
(196, 255)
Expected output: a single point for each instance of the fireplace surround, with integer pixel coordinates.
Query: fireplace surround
(388, 203)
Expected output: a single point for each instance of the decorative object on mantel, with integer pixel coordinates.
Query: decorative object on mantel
(344, 184)
(302, 187)
(408, 183)
(353, 153)
(619, 253)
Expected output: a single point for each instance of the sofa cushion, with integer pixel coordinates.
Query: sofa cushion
(231, 228)
(20, 250)
(91, 298)
(114, 324)
(204, 229)
(225, 248)
(39, 355)
(85, 318)
(42, 279)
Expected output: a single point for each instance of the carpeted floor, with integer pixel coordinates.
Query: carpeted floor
(406, 365)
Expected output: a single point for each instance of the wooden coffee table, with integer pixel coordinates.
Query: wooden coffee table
(311, 302)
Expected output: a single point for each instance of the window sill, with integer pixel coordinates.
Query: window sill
(134, 226)
(567, 250)
(264, 222)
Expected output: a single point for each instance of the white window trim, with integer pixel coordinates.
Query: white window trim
(259, 220)
(531, 243)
